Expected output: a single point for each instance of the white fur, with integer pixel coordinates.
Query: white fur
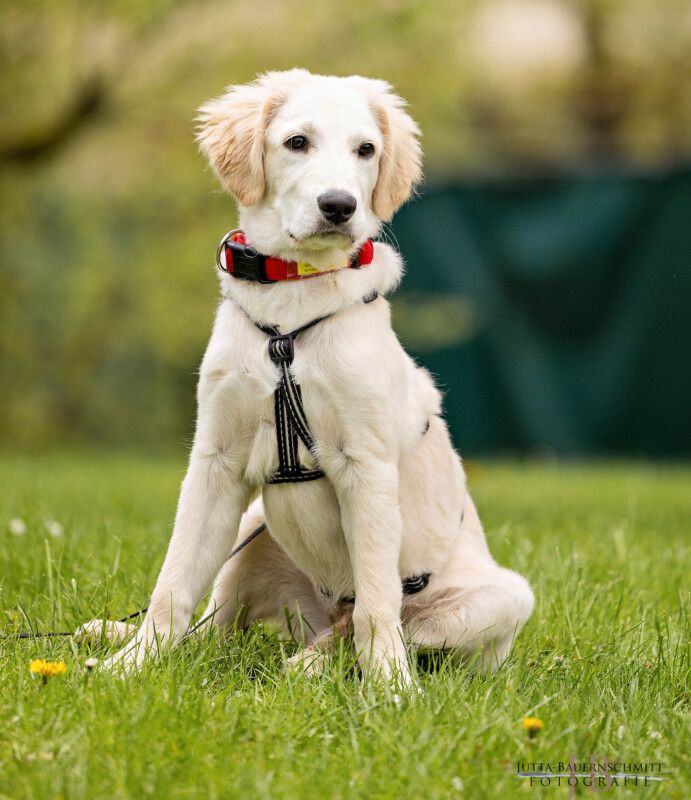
(394, 501)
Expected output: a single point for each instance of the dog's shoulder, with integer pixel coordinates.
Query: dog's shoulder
(234, 351)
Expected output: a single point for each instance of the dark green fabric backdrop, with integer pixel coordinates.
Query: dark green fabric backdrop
(555, 313)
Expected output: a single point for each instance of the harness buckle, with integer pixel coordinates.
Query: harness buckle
(281, 348)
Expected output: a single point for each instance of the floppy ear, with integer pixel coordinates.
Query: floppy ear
(231, 134)
(400, 165)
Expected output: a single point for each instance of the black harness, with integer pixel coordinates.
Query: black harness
(292, 426)
(291, 421)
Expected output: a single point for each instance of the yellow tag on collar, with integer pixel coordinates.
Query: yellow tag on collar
(306, 269)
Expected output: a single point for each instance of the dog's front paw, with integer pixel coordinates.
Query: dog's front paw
(395, 672)
(131, 657)
(386, 664)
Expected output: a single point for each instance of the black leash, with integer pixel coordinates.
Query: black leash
(46, 634)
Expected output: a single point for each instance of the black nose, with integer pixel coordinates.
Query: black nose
(337, 206)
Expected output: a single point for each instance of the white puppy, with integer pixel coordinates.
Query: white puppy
(316, 164)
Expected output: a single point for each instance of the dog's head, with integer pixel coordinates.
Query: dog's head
(316, 163)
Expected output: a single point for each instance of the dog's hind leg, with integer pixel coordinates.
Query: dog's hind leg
(479, 621)
(261, 582)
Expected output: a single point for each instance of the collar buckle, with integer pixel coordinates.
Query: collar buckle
(241, 260)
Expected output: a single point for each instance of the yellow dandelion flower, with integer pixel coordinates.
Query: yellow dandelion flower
(533, 725)
(47, 669)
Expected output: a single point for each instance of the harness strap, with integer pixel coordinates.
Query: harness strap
(291, 421)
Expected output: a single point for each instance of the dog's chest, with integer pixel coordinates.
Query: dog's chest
(305, 519)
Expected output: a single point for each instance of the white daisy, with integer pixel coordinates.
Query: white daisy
(17, 526)
(54, 528)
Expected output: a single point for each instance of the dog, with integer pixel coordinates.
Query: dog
(377, 537)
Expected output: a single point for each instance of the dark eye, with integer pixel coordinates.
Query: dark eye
(366, 150)
(296, 143)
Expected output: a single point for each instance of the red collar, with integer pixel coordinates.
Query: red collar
(240, 260)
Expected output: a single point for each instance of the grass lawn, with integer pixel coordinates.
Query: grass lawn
(603, 661)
